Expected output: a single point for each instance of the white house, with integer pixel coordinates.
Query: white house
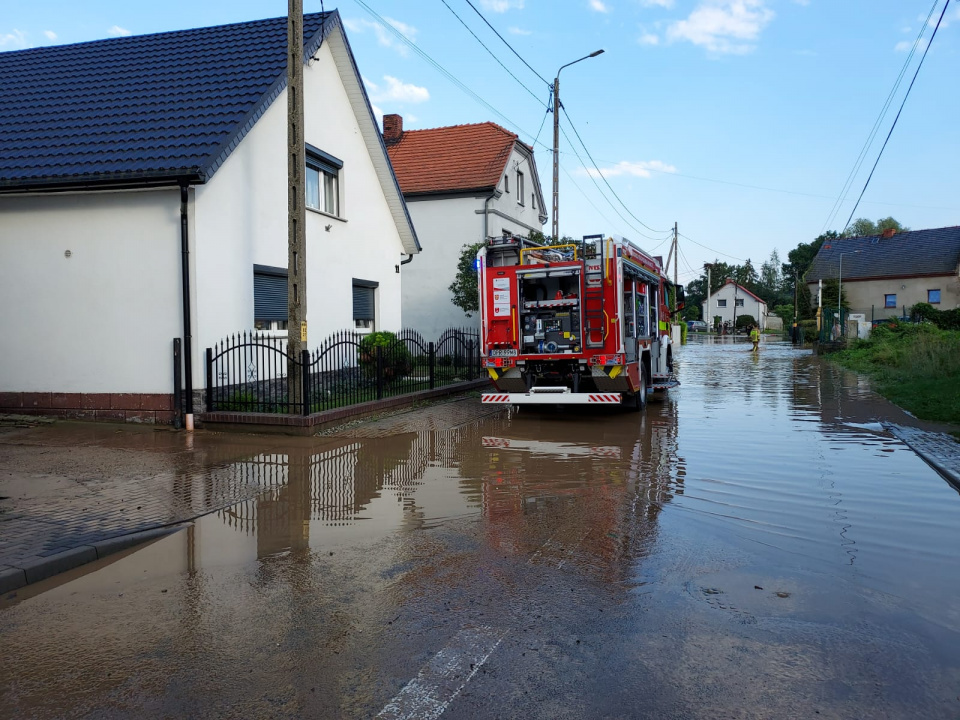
(462, 184)
(119, 155)
(732, 301)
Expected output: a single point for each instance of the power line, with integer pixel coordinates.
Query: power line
(546, 82)
(883, 147)
(858, 163)
(404, 39)
(519, 82)
(544, 121)
(566, 115)
(734, 257)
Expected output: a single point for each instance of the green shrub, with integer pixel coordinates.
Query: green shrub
(396, 357)
(683, 333)
(745, 321)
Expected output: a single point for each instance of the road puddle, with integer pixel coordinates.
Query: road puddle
(754, 543)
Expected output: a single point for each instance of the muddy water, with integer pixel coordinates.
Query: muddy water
(755, 545)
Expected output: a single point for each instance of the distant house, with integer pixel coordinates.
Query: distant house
(732, 301)
(885, 275)
(117, 155)
(462, 184)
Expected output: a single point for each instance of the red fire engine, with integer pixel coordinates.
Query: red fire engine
(584, 323)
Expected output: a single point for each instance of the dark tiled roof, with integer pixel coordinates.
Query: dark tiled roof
(451, 159)
(907, 254)
(140, 108)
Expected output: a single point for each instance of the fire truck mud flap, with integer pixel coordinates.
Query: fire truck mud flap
(551, 396)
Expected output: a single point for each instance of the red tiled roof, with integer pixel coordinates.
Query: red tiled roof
(758, 299)
(451, 159)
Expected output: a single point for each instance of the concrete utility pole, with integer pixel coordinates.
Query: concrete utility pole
(676, 253)
(708, 317)
(296, 211)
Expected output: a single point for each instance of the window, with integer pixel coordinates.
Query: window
(269, 298)
(890, 301)
(519, 188)
(739, 302)
(364, 303)
(721, 303)
(506, 183)
(933, 297)
(323, 181)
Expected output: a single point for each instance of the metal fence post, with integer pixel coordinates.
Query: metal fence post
(470, 359)
(305, 380)
(209, 388)
(433, 364)
(379, 372)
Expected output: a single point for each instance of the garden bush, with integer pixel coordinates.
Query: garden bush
(397, 360)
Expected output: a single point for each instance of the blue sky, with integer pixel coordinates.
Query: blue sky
(738, 119)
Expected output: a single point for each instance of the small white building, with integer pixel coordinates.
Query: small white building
(462, 184)
(732, 301)
(121, 154)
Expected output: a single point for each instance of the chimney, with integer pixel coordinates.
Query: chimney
(392, 129)
(889, 233)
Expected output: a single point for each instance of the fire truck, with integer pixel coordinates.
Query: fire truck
(583, 323)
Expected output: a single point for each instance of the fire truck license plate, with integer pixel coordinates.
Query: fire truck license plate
(504, 353)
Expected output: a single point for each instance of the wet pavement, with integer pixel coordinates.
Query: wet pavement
(756, 544)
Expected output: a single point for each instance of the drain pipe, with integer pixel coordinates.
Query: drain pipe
(486, 213)
(187, 335)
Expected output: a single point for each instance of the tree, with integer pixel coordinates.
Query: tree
(464, 285)
(862, 227)
(771, 281)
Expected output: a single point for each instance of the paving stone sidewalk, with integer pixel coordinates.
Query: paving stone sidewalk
(939, 450)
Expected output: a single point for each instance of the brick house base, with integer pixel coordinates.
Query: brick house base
(149, 408)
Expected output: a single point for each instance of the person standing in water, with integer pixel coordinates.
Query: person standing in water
(755, 337)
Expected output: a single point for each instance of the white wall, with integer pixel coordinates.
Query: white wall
(102, 320)
(241, 220)
(444, 226)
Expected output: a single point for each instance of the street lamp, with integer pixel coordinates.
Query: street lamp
(556, 143)
(840, 286)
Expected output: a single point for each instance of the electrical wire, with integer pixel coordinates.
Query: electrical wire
(519, 82)
(907, 95)
(439, 68)
(567, 116)
(508, 44)
(544, 121)
(858, 163)
(733, 257)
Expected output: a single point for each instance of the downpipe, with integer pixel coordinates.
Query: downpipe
(187, 333)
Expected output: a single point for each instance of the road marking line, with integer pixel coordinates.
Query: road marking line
(444, 676)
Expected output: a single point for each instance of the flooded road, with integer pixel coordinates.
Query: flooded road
(754, 545)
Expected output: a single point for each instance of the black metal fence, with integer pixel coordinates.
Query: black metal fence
(248, 372)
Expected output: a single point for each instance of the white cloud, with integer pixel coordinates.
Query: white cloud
(599, 6)
(649, 39)
(723, 26)
(378, 114)
(519, 31)
(384, 36)
(657, 3)
(396, 91)
(905, 45)
(15, 40)
(117, 31)
(501, 6)
(51, 35)
(641, 169)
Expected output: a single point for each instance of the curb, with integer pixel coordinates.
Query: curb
(906, 436)
(40, 568)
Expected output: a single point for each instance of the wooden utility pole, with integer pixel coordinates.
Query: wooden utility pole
(707, 317)
(296, 212)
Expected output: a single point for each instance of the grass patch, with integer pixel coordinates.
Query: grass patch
(915, 366)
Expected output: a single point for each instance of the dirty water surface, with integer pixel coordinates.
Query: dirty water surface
(754, 545)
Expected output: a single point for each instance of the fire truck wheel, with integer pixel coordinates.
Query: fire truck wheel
(639, 399)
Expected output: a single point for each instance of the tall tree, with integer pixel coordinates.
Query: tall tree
(862, 227)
